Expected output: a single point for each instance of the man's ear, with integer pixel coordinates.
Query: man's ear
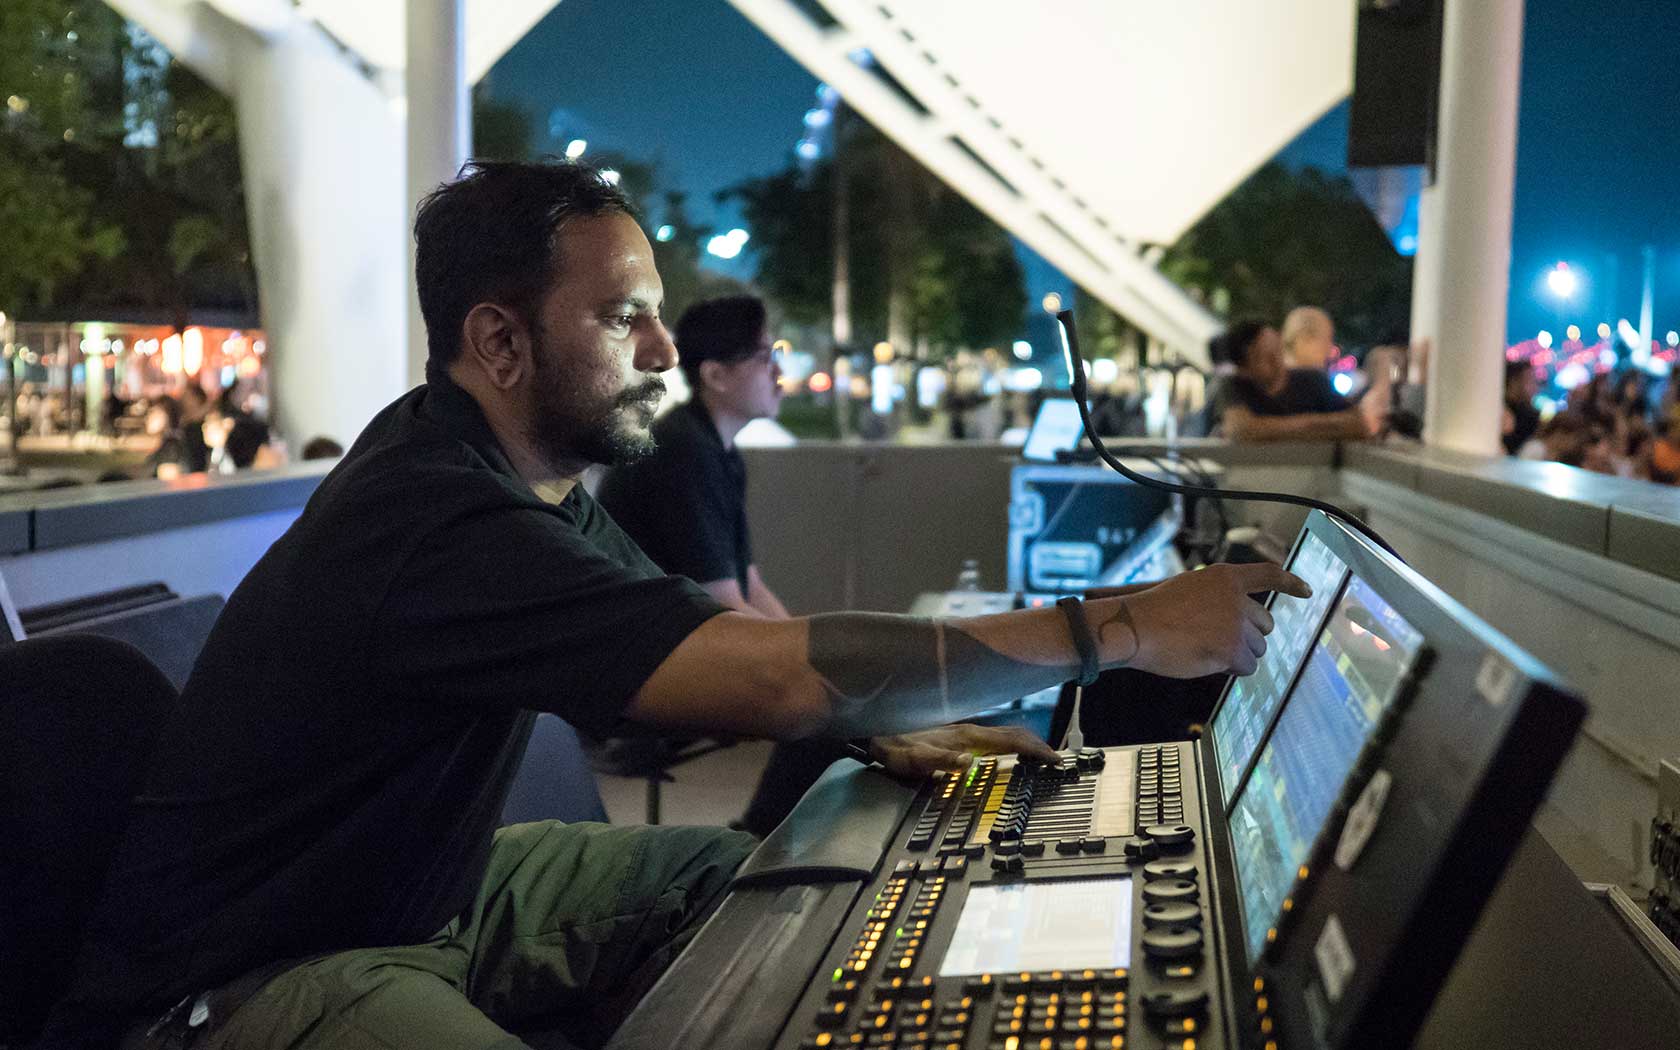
(496, 343)
(711, 373)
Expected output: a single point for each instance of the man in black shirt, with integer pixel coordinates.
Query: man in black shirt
(686, 504)
(1265, 400)
(314, 860)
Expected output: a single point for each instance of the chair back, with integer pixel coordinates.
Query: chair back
(79, 715)
(554, 781)
(170, 633)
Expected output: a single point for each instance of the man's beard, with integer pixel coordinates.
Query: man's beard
(565, 430)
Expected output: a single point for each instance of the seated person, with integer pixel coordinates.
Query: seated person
(314, 860)
(1309, 339)
(1264, 400)
(686, 504)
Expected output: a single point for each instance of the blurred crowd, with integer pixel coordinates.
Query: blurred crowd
(189, 432)
(1609, 424)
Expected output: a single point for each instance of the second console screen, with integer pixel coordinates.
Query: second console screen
(1065, 924)
(1351, 677)
(1251, 702)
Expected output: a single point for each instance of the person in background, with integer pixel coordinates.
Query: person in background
(1521, 418)
(195, 406)
(686, 505)
(1573, 439)
(322, 447)
(1309, 339)
(1265, 400)
(163, 421)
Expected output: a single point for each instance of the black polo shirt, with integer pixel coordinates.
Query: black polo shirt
(686, 505)
(1306, 390)
(345, 742)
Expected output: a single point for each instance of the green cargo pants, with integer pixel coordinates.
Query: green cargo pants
(572, 925)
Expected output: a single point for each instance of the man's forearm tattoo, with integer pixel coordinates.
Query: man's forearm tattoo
(893, 674)
(1122, 618)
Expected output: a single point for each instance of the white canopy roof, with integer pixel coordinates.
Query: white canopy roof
(1089, 128)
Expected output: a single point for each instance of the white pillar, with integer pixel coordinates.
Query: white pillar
(321, 147)
(439, 127)
(1463, 269)
(1426, 305)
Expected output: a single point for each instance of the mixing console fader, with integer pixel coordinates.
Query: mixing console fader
(1026, 908)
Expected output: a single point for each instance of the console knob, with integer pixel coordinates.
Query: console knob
(1169, 869)
(1173, 942)
(1175, 1002)
(1166, 891)
(1172, 913)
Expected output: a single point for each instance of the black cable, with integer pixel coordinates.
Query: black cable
(1076, 378)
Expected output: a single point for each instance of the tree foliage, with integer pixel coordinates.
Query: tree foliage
(122, 166)
(1283, 239)
(908, 235)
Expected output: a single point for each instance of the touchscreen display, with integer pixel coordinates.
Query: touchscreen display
(1066, 924)
(1350, 679)
(1251, 701)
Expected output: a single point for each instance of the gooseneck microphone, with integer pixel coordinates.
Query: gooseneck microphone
(1076, 376)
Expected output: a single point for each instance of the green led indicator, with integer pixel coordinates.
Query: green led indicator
(837, 973)
(899, 931)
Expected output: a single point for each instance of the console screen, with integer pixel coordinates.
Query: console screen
(1350, 679)
(1251, 702)
(1065, 924)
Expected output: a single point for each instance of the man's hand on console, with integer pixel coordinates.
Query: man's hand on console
(1202, 622)
(916, 755)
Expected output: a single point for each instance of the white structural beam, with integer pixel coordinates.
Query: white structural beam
(1107, 267)
(1464, 245)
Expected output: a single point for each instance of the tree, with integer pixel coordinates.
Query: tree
(126, 166)
(912, 240)
(1283, 239)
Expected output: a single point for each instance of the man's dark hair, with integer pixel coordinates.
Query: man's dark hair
(1239, 339)
(493, 235)
(322, 447)
(245, 439)
(725, 330)
(1516, 370)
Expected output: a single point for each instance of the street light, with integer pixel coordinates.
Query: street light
(1562, 281)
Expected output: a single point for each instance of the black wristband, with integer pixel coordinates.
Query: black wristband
(858, 750)
(1074, 610)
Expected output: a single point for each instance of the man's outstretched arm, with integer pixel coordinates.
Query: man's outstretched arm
(868, 674)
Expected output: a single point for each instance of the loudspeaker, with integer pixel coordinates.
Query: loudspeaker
(1396, 83)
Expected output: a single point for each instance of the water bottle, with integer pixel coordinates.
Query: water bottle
(969, 578)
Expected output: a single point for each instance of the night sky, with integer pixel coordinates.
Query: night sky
(695, 87)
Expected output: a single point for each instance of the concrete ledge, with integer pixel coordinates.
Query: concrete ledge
(1645, 541)
(68, 517)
